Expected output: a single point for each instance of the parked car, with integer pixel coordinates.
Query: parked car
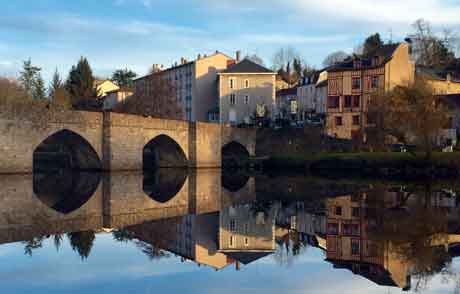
(315, 121)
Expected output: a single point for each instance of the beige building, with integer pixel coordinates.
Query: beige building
(116, 96)
(352, 83)
(242, 89)
(246, 234)
(194, 81)
(103, 87)
(443, 83)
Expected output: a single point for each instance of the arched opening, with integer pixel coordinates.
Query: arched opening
(234, 181)
(163, 151)
(67, 191)
(163, 184)
(65, 150)
(234, 155)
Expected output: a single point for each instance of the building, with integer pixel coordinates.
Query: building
(352, 82)
(287, 104)
(312, 95)
(195, 83)
(281, 83)
(103, 87)
(116, 96)
(247, 233)
(349, 246)
(243, 88)
(442, 82)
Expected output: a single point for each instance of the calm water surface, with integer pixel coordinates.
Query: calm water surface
(209, 231)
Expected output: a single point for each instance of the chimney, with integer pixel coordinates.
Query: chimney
(238, 55)
(199, 56)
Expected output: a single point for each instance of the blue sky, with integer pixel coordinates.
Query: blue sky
(138, 33)
(115, 267)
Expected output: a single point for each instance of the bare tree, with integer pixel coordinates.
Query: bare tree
(334, 58)
(410, 113)
(158, 101)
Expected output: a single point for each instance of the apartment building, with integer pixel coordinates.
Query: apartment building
(349, 245)
(245, 89)
(352, 82)
(246, 234)
(312, 95)
(194, 83)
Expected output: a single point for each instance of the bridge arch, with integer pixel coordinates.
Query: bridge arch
(65, 192)
(163, 152)
(234, 154)
(65, 149)
(163, 185)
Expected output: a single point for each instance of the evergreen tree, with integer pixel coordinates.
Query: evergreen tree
(298, 68)
(124, 77)
(372, 43)
(80, 84)
(39, 90)
(28, 76)
(56, 83)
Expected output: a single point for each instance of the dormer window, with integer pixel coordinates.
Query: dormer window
(357, 63)
(376, 60)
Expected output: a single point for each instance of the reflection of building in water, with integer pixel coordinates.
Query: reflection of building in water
(349, 245)
(236, 234)
(309, 223)
(193, 237)
(354, 223)
(247, 232)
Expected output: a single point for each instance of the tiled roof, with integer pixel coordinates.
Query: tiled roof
(386, 51)
(247, 66)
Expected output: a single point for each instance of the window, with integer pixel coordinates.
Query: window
(333, 101)
(355, 212)
(356, 83)
(232, 82)
(232, 225)
(374, 82)
(333, 229)
(347, 101)
(246, 241)
(354, 247)
(355, 230)
(338, 121)
(346, 229)
(356, 101)
(246, 84)
(338, 210)
(356, 120)
(246, 99)
(232, 99)
(231, 241)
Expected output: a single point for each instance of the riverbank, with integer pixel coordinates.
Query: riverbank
(385, 164)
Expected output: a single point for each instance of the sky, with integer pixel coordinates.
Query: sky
(135, 34)
(115, 267)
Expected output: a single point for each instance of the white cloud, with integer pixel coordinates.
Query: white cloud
(382, 11)
(289, 39)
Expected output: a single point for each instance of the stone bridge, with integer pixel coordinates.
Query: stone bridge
(114, 142)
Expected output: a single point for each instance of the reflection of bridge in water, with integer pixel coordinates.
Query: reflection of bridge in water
(46, 204)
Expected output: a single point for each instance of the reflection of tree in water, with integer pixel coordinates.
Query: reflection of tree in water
(82, 242)
(413, 229)
(153, 247)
